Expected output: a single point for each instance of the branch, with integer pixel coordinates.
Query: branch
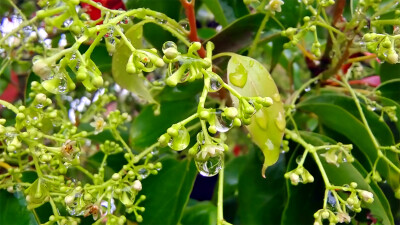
(190, 14)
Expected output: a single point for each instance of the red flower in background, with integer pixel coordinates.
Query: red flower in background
(95, 13)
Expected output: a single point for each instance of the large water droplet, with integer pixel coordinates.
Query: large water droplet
(168, 44)
(215, 85)
(184, 24)
(209, 167)
(239, 77)
(222, 124)
(181, 141)
(280, 122)
(143, 173)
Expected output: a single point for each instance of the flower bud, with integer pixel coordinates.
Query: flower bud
(41, 68)
(367, 196)
(116, 176)
(137, 185)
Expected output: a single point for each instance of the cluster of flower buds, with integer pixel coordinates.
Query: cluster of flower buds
(145, 60)
(183, 67)
(325, 214)
(338, 153)
(385, 46)
(299, 175)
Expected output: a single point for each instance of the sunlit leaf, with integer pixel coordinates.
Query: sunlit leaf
(268, 124)
(132, 82)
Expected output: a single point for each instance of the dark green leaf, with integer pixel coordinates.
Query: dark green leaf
(389, 71)
(153, 33)
(204, 213)
(277, 49)
(261, 201)
(334, 108)
(353, 172)
(147, 127)
(215, 7)
(14, 209)
(168, 192)
(390, 89)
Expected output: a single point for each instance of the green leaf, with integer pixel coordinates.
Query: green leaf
(204, 213)
(239, 34)
(153, 33)
(168, 192)
(390, 89)
(353, 172)
(268, 124)
(261, 201)
(132, 82)
(334, 108)
(389, 71)
(303, 200)
(215, 7)
(14, 209)
(389, 102)
(147, 127)
(277, 49)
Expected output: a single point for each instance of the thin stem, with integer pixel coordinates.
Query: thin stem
(9, 106)
(86, 172)
(147, 151)
(220, 204)
(258, 34)
(222, 54)
(321, 169)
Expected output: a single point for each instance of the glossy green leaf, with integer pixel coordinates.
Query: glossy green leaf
(390, 89)
(14, 210)
(353, 172)
(132, 82)
(268, 124)
(168, 192)
(204, 213)
(277, 49)
(333, 108)
(148, 127)
(261, 201)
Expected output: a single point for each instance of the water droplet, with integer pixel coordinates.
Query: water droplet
(184, 24)
(162, 21)
(143, 173)
(181, 141)
(168, 44)
(215, 85)
(269, 145)
(261, 119)
(280, 122)
(209, 167)
(307, 89)
(239, 77)
(222, 124)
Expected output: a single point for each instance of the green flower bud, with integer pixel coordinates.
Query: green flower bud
(116, 176)
(204, 115)
(386, 43)
(231, 112)
(237, 122)
(212, 129)
(171, 53)
(97, 81)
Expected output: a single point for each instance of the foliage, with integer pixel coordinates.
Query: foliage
(110, 112)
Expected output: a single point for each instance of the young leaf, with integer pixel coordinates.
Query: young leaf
(131, 82)
(268, 124)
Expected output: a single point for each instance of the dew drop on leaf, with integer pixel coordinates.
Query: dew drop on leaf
(239, 77)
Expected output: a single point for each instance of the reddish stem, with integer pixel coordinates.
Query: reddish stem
(190, 14)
